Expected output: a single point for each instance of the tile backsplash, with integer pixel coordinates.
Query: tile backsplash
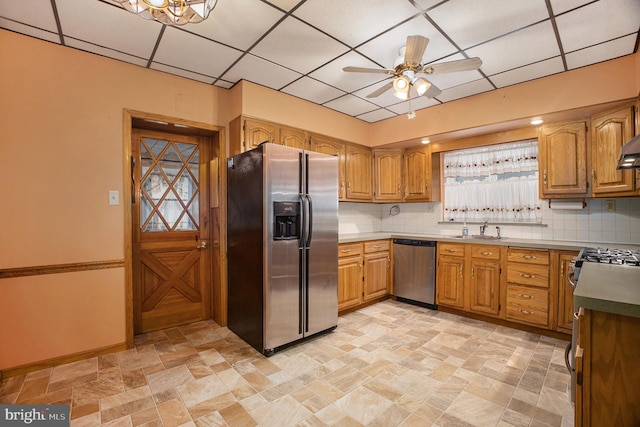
(593, 224)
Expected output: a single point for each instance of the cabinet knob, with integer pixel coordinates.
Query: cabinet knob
(544, 177)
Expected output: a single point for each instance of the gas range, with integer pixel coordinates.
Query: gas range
(630, 257)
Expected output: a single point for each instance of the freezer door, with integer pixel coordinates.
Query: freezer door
(282, 257)
(321, 310)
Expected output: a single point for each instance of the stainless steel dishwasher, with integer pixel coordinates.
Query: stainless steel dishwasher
(414, 271)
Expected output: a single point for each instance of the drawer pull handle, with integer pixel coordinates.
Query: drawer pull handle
(526, 296)
(345, 251)
(527, 276)
(450, 250)
(376, 246)
(485, 253)
(529, 257)
(527, 312)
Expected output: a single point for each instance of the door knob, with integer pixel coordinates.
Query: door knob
(202, 245)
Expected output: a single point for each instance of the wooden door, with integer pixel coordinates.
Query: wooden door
(610, 132)
(417, 174)
(326, 145)
(359, 177)
(484, 286)
(295, 138)
(387, 175)
(256, 132)
(171, 262)
(565, 292)
(377, 269)
(450, 281)
(349, 282)
(562, 152)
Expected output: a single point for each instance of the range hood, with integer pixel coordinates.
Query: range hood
(630, 154)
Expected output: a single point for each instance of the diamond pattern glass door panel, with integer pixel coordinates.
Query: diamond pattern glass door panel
(169, 194)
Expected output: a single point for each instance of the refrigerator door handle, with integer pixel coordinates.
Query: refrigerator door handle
(309, 214)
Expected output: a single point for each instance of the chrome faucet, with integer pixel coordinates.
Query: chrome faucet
(483, 228)
(498, 232)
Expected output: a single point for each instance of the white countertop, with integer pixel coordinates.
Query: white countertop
(609, 288)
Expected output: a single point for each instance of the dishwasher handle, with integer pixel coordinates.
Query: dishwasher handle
(414, 242)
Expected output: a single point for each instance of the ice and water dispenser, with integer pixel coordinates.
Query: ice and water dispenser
(287, 220)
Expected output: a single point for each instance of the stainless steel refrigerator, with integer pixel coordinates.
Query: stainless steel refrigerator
(282, 245)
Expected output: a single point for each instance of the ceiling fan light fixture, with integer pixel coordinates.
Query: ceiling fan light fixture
(421, 85)
(170, 12)
(401, 87)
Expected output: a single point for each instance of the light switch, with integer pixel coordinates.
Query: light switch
(114, 198)
(611, 205)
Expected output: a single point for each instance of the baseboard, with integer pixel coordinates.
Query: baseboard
(61, 360)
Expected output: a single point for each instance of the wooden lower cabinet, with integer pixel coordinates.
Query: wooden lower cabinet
(607, 377)
(450, 281)
(560, 263)
(364, 273)
(528, 286)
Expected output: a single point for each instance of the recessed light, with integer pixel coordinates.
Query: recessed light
(536, 121)
(425, 141)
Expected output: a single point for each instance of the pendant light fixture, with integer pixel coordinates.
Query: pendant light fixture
(171, 12)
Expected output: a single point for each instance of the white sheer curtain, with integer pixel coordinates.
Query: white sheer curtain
(497, 183)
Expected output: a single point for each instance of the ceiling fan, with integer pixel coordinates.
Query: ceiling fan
(409, 71)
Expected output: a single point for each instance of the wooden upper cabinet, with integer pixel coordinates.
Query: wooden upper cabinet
(610, 131)
(359, 174)
(417, 174)
(334, 147)
(256, 132)
(562, 160)
(387, 169)
(295, 138)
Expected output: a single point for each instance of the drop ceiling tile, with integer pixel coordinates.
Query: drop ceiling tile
(465, 90)
(598, 22)
(294, 44)
(181, 73)
(470, 22)
(561, 6)
(528, 72)
(427, 4)
(351, 105)
(285, 5)
(223, 84)
(376, 116)
(523, 47)
(237, 23)
(601, 52)
(333, 74)
(35, 13)
(312, 90)
(29, 31)
(108, 25)
(384, 48)
(354, 21)
(417, 103)
(103, 51)
(262, 72)
(193, 53)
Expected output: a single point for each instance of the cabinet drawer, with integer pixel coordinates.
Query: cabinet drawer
(349, 249)
(528, 256)
(376, 246)
(528, 304)
(451, 249)
(528, 274)
(485, 252)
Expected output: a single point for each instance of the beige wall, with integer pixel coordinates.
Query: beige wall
(61, 151)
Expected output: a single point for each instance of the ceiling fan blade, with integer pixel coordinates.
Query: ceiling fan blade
(382, 89)
(367, 70)
(432, 91)
(453, 66)
(416, 45)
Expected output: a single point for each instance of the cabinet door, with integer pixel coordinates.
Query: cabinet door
(417, 174)
(326, 145)
(565, 293)
(562, 151)
(450, 281)
(359, 177)
(387, 175)
(484, 287)
(349, 282)
(295, 138)
(610, 132)
(256, 132)
(377, 269)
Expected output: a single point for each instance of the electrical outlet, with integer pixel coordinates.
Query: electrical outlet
(611, 205)
(114, 198)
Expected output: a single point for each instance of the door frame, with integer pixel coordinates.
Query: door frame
(217, 214)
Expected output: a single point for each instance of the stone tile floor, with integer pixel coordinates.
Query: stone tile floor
(390, 364)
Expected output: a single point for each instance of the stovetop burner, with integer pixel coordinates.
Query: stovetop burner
(611, 256)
